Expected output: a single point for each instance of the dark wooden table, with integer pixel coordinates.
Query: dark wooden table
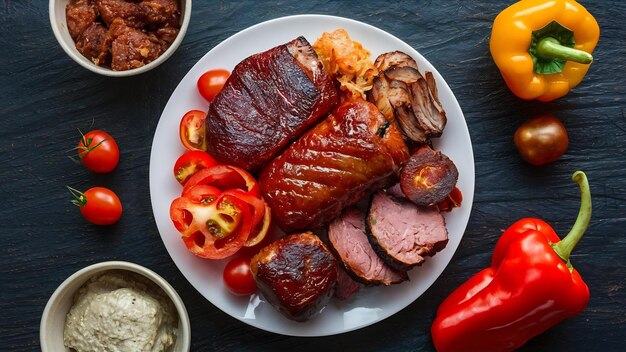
(45, 97)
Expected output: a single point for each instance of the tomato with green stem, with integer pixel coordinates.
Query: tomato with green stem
(211, 83)
(98, 205)
(98, 151)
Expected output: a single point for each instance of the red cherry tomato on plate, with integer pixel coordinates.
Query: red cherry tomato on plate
(238, 277)
(98, 205)
(190, 163)
(211, 83)
(192, 130)
(98, 151)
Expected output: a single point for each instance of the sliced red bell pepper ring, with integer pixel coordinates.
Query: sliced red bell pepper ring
(224, 177)
(215, 229)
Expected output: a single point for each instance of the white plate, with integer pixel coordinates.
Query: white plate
(371, 305)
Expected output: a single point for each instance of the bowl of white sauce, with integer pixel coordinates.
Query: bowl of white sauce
(115, 306)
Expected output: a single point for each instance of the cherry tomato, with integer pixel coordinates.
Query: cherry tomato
(541, 140)
(98, 151)
(238, 277)
(98, 205)
(190, 163)
(211, 83)
(192, 130)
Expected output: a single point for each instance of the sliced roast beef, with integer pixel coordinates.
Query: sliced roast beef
(346, 285)
(348, 240)
(270, 99)
(402, 233)
(296, 274)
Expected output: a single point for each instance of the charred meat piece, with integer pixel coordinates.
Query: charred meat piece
(132, 48)
(400, 99)
(161, 12)
(296, 274)
(128, 11)
(394, 59)
(413, 99)
(353, 152)
(94, 44)
(402, 233)
(349, 241)
(428, 177)
(426, 106)
(346, 285)
(166, 36)
(80, 14)
(270, 99)
(404, 74)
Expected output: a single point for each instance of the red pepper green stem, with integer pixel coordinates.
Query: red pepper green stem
(551, 48)
(565, 246)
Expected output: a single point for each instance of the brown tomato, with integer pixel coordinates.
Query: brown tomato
(541, 140)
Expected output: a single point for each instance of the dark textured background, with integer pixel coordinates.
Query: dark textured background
(45, 96)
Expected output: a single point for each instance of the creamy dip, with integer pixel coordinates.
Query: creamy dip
(120, 311)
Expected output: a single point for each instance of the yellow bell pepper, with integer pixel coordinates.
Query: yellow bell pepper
(543, 47)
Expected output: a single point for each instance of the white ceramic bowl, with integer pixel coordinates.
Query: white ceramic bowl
(53, 318)
(59, 27)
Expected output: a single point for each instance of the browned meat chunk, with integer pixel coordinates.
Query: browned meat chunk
(351, 153)
(402, 233)
(166, 35)
(296, 274)
(405, 97)
(348, 240)
(394, 58)
(79, 15)
(161, 12)
(94, 44)
(131, 48)
(128, 11)
(270, 99)
(428, 177)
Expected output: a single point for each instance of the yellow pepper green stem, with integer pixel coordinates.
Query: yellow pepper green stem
(551, 48)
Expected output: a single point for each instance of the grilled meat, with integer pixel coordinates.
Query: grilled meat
(348, 240)
(346, 285)
(353, 152)
(405, 97)
(80, 14)
(428, 177)
(270, 99)
(402, 233)
(296, 274)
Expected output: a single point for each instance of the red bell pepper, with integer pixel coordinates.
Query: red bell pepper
(530, 286)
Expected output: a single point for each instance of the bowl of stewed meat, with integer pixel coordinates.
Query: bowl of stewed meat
(119, 37)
